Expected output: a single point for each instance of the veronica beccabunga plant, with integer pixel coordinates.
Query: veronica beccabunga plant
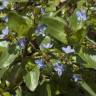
(47, 48)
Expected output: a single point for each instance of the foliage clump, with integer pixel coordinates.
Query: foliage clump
(47, 47)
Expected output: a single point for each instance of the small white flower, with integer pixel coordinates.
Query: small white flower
(68, 49)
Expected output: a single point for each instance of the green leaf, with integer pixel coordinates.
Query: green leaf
(74, 23)
(87, 88)
(48, 89)
(80, 3)
(3, 44)
(1, 26)
(18, 1)
(19, 24)
(31, 79)
(55, 28)
(6, 94)
(46, 40)
(6, 58)
(19, 92)
(2, 71)
(77, 37)
(89, 59)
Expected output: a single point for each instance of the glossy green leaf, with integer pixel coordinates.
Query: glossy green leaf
(4, 44)
(87, 88)
(48, 89)
(19, 24)
(2, 71)
(19, 92)
(6, 94)
(90, 60)
(77, 37)
(18, 1)
(74, 23)
(6, 58)
(31, 79)
(55, 28)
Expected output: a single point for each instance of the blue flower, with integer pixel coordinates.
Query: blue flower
(42, 10)
(22, 42)
(81, 15)
(76, 77)
(40, 63)
(40, 29)
(68, 49)
(48, 45)
(59, 68)
(4, 4)
(5, 32)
